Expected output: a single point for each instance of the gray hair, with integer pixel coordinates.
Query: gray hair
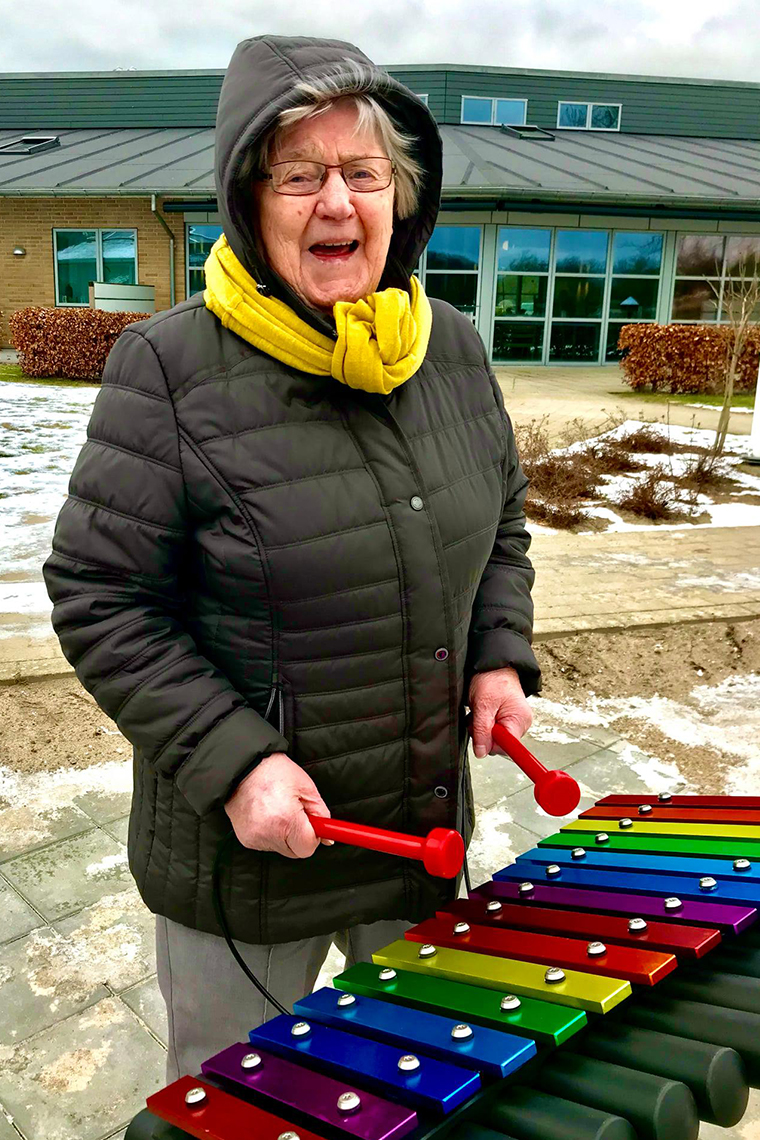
(359, 83)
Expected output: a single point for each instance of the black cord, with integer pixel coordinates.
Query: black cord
(222, 920)
(467, 882)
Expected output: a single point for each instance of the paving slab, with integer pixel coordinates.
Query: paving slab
(71, 874)
(84, 1078)
(497, 841)
(146, 1000)
(36, 823)
(112, 941)
(40, 985)
(104, 807)
(118, 828)
(18, 917)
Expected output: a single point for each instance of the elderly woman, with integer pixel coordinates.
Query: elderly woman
(294, 547)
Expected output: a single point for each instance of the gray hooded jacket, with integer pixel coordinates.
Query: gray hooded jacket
(244, 566)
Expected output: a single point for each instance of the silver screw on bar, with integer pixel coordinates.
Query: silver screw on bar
(493, 907)
(461, 1032)
(427, 951)
(602, 837)
(578, 852)
(346, 999)
(595, 949)
(742, 864)
(300, 1029)
(387, 974)
(250, 1061)
(553, 871)
(636, 925)
(664, 797)
(707, 883)
(526, 888)
(625, 823)
(195, 1096)
(408, 1063)
(673, 903)
(510, 1002)
(349, 1102)
(554, 975)
(645, 809)
(462, 928)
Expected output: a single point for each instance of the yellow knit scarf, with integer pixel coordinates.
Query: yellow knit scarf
(382, 338)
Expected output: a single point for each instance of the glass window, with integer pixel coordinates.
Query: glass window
(459, 289)
(637, 253)
(520, 295)
(572, 115)
(695, 300)
(743, 256)
(510, 111)
(454, 247)
(523, 250)
(578, 296)
(76, 254)
(119, 257)
(612, 352)
(518, 340)
(699, 255)
(634, 298)
(575, 342)
(200, 239)
(582, 251)
(605, 117)
(476, 110)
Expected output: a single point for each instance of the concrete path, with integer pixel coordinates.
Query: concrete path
(589, 394)
(642, 578)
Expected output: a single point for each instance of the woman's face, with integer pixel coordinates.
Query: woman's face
(292, 227)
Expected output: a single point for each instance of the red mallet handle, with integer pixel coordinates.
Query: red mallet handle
(441, 850)
(556, 792)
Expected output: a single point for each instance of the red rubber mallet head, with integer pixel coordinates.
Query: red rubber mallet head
(556, 792)
(441, 851)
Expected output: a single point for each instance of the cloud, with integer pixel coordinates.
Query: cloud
(680, 37)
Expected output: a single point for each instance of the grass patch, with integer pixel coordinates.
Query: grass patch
(12, 373)
(738, 400)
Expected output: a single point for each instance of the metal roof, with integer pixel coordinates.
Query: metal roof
(480, 163)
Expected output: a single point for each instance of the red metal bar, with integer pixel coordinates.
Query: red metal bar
(683, 941)
(218, 1116)
(733, 803)
(674, 814)
(555, 792)
(441, 850)
(645, 967)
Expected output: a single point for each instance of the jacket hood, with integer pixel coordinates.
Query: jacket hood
(257, 86)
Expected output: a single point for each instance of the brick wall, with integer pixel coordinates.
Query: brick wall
(30, 222)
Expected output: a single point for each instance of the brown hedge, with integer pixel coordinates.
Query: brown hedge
(73, 343)
(686, 358)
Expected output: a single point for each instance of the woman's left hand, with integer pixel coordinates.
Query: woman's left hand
(497, 696)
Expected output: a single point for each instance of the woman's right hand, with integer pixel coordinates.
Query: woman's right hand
(268, 808)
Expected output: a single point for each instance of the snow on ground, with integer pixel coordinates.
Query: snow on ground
(732, 514)
(42, 428)
(716, 408)
(723, 717)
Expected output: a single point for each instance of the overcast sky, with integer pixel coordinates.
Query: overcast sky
(668, 37)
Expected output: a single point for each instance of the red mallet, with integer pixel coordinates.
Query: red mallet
(441, 850)
(556, 792)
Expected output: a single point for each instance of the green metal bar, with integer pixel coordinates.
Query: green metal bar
(543, 1021)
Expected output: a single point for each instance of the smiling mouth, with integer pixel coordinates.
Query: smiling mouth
(331, 251)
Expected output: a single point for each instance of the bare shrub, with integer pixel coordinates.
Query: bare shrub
(652, 497)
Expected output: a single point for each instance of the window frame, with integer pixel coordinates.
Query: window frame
(422, 267)
(722, 278)
(577, 102)
(493, 100)
(98, 231)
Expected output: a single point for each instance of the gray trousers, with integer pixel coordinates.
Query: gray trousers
(210, 1002)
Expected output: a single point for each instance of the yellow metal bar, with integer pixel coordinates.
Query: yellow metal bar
(658, 827)
(581, 991)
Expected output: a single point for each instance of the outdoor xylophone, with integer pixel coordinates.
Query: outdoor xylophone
(603, 987)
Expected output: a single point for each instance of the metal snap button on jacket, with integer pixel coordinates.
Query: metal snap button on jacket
(416, 503)
(441, 792)
(441, 654)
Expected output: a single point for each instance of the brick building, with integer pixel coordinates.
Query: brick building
(573, 203)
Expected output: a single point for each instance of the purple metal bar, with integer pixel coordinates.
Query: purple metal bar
(286, 1085)
(729, 918)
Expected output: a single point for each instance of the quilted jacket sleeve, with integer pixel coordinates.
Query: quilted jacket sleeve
(114, 580)
(502, 615)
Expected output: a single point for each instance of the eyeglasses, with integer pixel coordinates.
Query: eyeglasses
(364, 175)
